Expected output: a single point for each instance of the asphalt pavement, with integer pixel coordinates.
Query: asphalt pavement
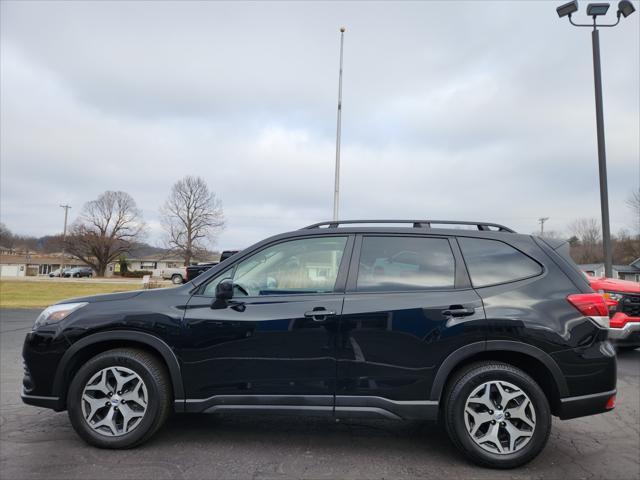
(38, 443)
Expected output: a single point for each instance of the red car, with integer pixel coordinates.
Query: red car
(623, 299)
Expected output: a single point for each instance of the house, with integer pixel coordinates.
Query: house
(147, 263)
(623, 272)
(14, 265)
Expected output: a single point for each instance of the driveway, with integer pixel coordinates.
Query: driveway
(38, 443)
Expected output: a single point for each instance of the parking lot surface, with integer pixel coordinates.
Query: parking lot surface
(38, 443)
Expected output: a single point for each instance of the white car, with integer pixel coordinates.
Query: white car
(176, 275)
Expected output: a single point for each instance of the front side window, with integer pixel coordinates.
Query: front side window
(491, 262)
(305, 266)
(405, 263)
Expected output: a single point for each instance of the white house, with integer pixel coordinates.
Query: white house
(623, 272)
(32, 265)
(146, 263)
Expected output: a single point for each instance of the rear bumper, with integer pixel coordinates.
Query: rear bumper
(54, 403)
(573, 407)
(629, 334)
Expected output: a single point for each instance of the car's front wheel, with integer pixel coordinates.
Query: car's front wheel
(497, 415)
(176, 279)
(119, 398)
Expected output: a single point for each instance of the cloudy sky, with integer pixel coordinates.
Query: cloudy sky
(461, 110)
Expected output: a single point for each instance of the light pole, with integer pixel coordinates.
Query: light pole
(64, 234)
(336, 184)
(594, 10)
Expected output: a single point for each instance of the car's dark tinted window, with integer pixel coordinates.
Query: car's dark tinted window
(490, 262)
(405, 263)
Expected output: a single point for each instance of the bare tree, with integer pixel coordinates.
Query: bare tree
(191, 217)
(7, 239)
(587, 232)
(107, 227)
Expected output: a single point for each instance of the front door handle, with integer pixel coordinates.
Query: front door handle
(458, 311)
(319, 314)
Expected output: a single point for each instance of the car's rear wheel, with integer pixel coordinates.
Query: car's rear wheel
(497, 415)
(176, 279)
(119, 398)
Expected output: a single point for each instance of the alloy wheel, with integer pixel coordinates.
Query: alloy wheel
(114, 401)
(500, 417)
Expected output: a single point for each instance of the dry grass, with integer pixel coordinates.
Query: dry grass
(32, 294)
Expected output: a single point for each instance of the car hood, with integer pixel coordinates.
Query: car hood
(613, 285)
(105, 297)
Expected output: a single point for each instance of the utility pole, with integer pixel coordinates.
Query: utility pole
(542, 220)
(64, 234)
(336, 185)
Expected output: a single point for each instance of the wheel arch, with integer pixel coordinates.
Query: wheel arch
(535, 362)
(96, 343)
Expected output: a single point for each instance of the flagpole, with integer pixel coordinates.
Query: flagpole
(336, 189)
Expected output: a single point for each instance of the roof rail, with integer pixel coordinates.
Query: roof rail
(485, 226)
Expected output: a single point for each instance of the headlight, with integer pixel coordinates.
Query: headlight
(55, 313)
(614, 296)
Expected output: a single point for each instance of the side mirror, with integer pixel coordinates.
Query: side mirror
(224, 290)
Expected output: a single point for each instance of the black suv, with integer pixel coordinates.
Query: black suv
(488, 331)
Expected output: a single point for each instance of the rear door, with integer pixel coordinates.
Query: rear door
(408, 305)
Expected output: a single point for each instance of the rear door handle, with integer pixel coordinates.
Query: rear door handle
(458, 311)
(319, 314)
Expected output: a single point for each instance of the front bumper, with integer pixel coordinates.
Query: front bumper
(627, 335)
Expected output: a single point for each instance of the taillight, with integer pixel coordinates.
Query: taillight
(591, 305)
(611, 403)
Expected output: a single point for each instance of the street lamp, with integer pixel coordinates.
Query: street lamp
(595, 10)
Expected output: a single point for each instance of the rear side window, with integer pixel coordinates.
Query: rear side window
(490, 262)
(405, 263)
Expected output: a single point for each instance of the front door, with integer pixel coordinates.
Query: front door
(408, 305)
(277, 337)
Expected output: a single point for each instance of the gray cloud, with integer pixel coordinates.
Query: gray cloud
(451, 110)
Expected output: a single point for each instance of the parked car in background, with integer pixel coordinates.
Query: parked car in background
(194, 270)
(56, 273)
(60, 272)
(488, 331)
(177, 275)
(623, 301)
(77, 272)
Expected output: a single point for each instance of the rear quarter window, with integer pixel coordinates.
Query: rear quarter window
(491, 262)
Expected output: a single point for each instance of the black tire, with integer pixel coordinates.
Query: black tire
(463, 384)
(177, 279)
(160, 395)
